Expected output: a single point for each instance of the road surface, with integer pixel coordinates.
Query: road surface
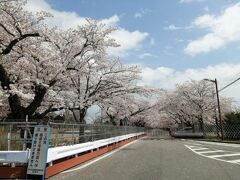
(162, 159)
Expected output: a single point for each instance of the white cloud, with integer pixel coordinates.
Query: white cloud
(127, 40)
(205, 21)
(138, 15)
(112, 21)
(64, 19)
(204, 44)
(223, 29)
(178, 40)
(172, 27)
(189, 1)
(164, 77)
(147, 55)
(142, 13)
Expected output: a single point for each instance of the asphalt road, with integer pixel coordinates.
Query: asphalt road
(159, 159)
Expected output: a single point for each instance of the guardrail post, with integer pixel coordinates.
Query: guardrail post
(50, 163)
(13, 165)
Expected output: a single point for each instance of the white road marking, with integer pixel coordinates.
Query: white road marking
(98, 159)
(225, 155)
(236, 161)
(191, 146)
(218, 144)
(216, 151)
(199, 149)
(211, 157)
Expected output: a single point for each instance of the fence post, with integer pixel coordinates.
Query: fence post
(56, 135)
(25, 135)
(92, 132)
(73, 139)
(9, 138)
(9, 141)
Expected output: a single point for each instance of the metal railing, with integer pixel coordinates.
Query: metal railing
(18, 135)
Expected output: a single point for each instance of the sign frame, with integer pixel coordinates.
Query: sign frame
(39, 151)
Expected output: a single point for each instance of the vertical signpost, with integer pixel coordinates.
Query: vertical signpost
(38, 155)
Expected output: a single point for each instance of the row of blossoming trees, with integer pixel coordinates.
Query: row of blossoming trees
(195, 102)
(47, 70)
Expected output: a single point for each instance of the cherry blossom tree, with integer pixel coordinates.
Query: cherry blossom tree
(115, 108)
(101, 81)
(138, 107)
(18, 29)
(82, 54)
(44, 70)
(193, 102)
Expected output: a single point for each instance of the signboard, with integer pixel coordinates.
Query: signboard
(39, 149)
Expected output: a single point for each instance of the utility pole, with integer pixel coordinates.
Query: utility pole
(218, 103)
(219, 109)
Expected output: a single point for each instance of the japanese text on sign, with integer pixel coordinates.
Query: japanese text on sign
(38, 155)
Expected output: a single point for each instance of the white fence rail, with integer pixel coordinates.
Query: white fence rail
(56, 153)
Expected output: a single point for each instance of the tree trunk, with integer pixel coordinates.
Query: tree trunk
(40, 92)
(17, 111)
(4, 79)
(112, 120)
(82, 114)
(20, 112)
(193, 127)
(201, 125)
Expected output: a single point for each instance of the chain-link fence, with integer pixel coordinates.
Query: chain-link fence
(64, 134)
(230, 131)
(18, 135)
(209, 131)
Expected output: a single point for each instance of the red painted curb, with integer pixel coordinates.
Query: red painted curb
(7, 172)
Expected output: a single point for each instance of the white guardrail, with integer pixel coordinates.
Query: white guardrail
(56, 153)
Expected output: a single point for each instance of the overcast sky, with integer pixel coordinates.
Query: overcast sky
(173, 40)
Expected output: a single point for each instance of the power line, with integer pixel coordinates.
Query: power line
(229, 84)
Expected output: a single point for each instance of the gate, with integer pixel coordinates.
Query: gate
(158, 134)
